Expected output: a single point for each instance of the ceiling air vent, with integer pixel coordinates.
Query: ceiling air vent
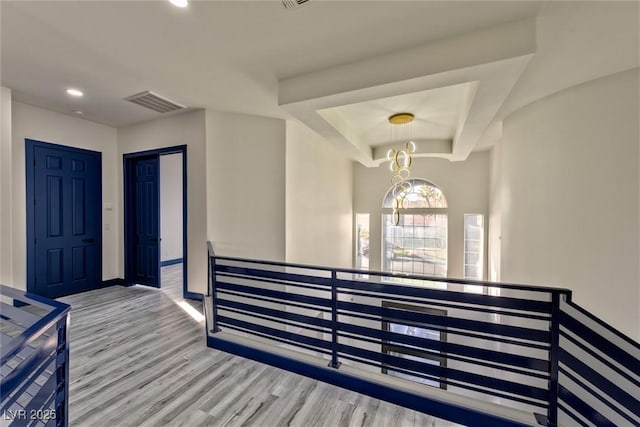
(154, 102)
(291, 4)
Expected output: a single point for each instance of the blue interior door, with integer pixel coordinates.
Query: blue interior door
(66, 250)
(147, 222)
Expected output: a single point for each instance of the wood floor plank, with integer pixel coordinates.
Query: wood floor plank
(138, 359)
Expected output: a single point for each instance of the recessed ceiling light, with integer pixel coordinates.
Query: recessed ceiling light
(179, 3)
(78, 112)
(74, 92)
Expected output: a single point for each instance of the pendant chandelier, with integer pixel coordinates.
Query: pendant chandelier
(400, 164)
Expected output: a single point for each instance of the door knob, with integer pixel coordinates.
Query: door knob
(88, 240)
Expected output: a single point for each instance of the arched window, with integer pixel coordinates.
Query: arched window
(418, 244)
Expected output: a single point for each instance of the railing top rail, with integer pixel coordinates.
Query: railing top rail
(31, 333)
(512, 286)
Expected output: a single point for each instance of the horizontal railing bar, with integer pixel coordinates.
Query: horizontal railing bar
(599, 342)
(509, 359)
(47, 390)
(269, 337)
(612, 405)
(601, 359)
(400, 370)
(279, 321)
(32, 333)
(21, 318)
(437, 303)
(15, 394)
(4, 338)
(273, 301)
(316, 342)
(277, 315)
(30, 364)
(452, 357)
(447, 347)
(383, 367)
(604, 325)
(468, 377)
(447, 321)
(506, 302)
(460, 333)
(282, 295)
(253, 272)
(583, 408)
(446, 295)
(570, 411)
(598, 380)
(31, 299)
(543, 289)
(275, 282)
(448, 382)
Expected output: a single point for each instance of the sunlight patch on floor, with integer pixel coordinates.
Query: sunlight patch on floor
(190, 310)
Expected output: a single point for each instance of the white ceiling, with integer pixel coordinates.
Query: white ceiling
(357, 60)
(437, 112)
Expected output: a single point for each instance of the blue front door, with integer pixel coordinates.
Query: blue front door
(147, 222)
(64, 219)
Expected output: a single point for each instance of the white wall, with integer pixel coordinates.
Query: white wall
(464, 184)
(319, 191)
(246, 185)
(183, 129)
(6, 249)
(44, 125)
(495, 216)
(171, 207)
(569, 203)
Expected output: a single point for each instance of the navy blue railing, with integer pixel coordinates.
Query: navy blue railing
(599, 371)
(500, 354)
(34, 371)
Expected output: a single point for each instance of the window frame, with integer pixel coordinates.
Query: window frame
(412, 211)
(481, 254)
(388, 347)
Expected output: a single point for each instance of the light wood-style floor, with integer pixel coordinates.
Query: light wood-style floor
(137, 358)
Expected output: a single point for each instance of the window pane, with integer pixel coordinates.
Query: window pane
(362, 241)
(422, 194)
(472, 258)
(473, 249)
(414, 331)
(470, 271)
(417, 245)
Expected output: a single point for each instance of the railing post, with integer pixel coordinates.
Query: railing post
(62, 374)
(554, 351)
(334, 321)
(214, 294)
